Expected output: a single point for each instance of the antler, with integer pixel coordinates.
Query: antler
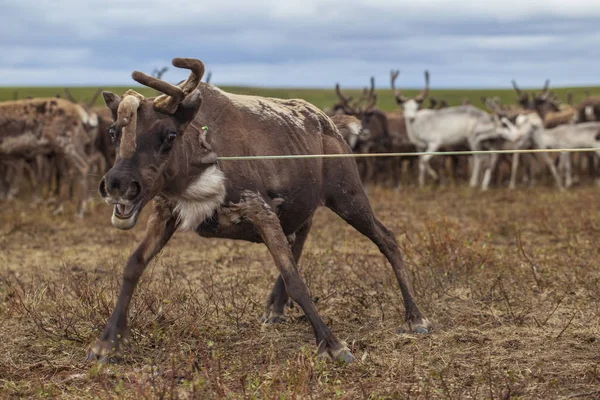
(514, 83)
(208, 76)
(94, 98)
(545, 95)
(367, 95)
(343, 98)
(399, 98)
(371, 103)
(421, 97)
(70, 96)
(173, 95)
(372, 90)
(345, 101)
(158, 73)
(546, 84)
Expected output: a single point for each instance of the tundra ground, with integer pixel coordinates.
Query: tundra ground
(511, 281)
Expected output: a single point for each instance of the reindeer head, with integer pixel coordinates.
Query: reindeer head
(506, 120)
(148, 136)
(409, 106)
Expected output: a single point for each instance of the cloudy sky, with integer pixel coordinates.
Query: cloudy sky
(305, 43)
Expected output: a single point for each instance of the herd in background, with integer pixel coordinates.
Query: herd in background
(538, 120)
(59, 146)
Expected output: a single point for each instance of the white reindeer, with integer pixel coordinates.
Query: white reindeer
(570, 136)
(431, 130)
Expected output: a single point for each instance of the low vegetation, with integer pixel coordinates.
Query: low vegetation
(509, 278)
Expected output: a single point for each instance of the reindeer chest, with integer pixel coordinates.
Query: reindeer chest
(199, 200)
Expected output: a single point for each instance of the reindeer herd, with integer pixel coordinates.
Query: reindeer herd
(58, 146)
(539, 120)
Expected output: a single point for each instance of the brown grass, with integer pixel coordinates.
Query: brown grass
(510, 279)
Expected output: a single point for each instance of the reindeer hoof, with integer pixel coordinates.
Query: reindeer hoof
(273, 319)
(344, 356)
(103, 352)
(420, 327)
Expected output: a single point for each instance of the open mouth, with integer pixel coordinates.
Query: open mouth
(124, 211)
(125, 215)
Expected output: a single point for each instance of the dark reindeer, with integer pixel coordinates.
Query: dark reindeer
(164, 156)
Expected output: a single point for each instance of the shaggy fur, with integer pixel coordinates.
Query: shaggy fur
(200, 199)
(127, 120)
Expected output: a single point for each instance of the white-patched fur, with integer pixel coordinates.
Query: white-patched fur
(355, 130)
(201, 198)
(590, 114)
(90, 119)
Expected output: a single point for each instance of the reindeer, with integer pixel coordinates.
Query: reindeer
(33, 127)
(511, 113)
(547, 106)
(566, 136)
(589, 109)
(386, 132)
(164, 156)
(432, 130)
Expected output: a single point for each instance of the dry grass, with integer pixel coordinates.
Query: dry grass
(510, 279)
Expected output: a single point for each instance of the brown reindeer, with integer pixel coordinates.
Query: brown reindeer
(589, 109)
(34, 127)
(547, 106)
(165, 157)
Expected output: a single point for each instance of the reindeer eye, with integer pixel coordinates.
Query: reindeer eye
(112, 132)
(171, 136)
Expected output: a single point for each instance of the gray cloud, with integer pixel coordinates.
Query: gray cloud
(311, 43)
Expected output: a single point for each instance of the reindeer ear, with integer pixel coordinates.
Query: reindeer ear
(112, 101)
(188, 109)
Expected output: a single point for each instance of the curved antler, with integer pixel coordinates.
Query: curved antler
(399, 98)
(369, 96)
(343, 98)
(371, 103)
(345, 101)
(173, 95)
(423, 95)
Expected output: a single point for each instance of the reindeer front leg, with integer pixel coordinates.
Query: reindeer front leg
(253, 209)
(161, 226)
